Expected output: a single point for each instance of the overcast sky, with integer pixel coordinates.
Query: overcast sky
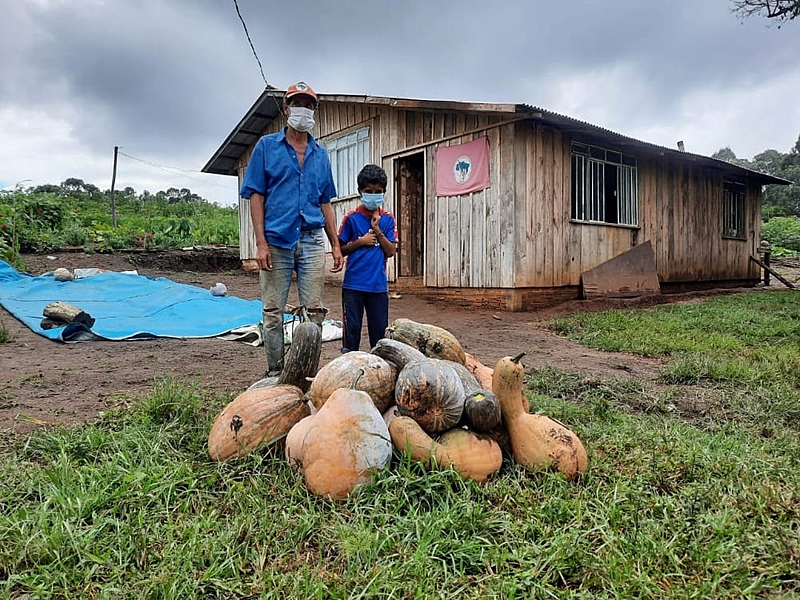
(167, 80)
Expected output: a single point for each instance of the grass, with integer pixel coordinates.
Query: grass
(5, 334)
(130, 506)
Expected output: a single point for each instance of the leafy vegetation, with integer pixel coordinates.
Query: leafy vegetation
(5, 334)
(676, 504)
(52, 217)
(725, 344)
(782, 233)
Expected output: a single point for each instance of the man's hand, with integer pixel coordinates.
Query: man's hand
(338, 260)
(264, 258)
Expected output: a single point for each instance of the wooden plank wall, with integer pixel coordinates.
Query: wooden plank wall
(469, 240)
(681, 214)
(550, 250)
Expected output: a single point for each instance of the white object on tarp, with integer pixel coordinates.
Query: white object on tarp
(81, 273)
(92, 271)
(331, 330)
(218, 290)
(62, 274)
(251, 334)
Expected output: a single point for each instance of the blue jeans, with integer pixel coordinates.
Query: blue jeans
(307, 258)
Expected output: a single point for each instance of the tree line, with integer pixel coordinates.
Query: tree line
(78, 188)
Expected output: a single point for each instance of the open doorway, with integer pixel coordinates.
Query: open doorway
(410, 214)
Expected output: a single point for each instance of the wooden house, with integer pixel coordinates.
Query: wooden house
(564, 198)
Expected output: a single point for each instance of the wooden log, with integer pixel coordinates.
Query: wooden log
(67, 313)
(777, 275)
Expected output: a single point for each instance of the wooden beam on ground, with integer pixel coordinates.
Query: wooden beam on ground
(777, 275)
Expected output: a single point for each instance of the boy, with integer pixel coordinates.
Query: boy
(367, 237)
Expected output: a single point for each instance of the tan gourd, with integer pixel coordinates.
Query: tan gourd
(431, 340)
(257, 417)
(481, 372)
(340, 446)
(537, 441)
(473, 457)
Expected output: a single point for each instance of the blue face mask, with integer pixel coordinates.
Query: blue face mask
(372, 201)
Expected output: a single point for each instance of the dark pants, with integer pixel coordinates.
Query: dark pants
(354, 304)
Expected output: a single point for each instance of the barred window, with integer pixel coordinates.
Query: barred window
(604, 186)
(349, 153)
(733, 218)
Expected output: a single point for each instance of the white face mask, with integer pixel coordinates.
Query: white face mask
(301, 119)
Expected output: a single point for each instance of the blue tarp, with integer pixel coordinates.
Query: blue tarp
(125, 306)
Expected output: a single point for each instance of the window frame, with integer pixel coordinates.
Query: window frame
(734, 210)
(345, 173)
(588, 198)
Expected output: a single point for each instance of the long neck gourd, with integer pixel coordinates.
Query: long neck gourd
(537, 441)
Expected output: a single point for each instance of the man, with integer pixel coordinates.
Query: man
(290, 186)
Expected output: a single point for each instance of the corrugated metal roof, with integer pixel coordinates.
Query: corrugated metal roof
(267, 107)
(577, 126)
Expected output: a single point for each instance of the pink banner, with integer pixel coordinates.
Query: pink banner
(462, 169)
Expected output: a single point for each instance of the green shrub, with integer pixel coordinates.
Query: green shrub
(74, 235)
(783, 232)
(5, 334)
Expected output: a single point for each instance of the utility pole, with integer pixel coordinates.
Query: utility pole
(113, 180)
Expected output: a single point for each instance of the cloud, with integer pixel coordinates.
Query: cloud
(167, 81)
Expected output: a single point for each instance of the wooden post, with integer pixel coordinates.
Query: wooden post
(113, 180)
(765, 249)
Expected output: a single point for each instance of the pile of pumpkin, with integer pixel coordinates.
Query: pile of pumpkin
(417, 392)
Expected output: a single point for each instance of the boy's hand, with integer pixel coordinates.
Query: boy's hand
(368, 239)
(375, 221)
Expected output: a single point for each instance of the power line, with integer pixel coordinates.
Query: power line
(238, 12)
(171, 170)
(261, 68)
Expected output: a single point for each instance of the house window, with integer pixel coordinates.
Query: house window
(604, 186)
(733, 210)
(349, 153)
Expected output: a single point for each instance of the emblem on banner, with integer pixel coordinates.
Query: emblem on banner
(462, 169)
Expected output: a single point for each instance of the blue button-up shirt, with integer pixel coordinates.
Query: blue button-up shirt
(292, 196)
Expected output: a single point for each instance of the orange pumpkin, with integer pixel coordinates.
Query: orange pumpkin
(342, 445)
(377, 380)
(473, 456)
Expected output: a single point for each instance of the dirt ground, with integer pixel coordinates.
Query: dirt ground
(45, 382)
